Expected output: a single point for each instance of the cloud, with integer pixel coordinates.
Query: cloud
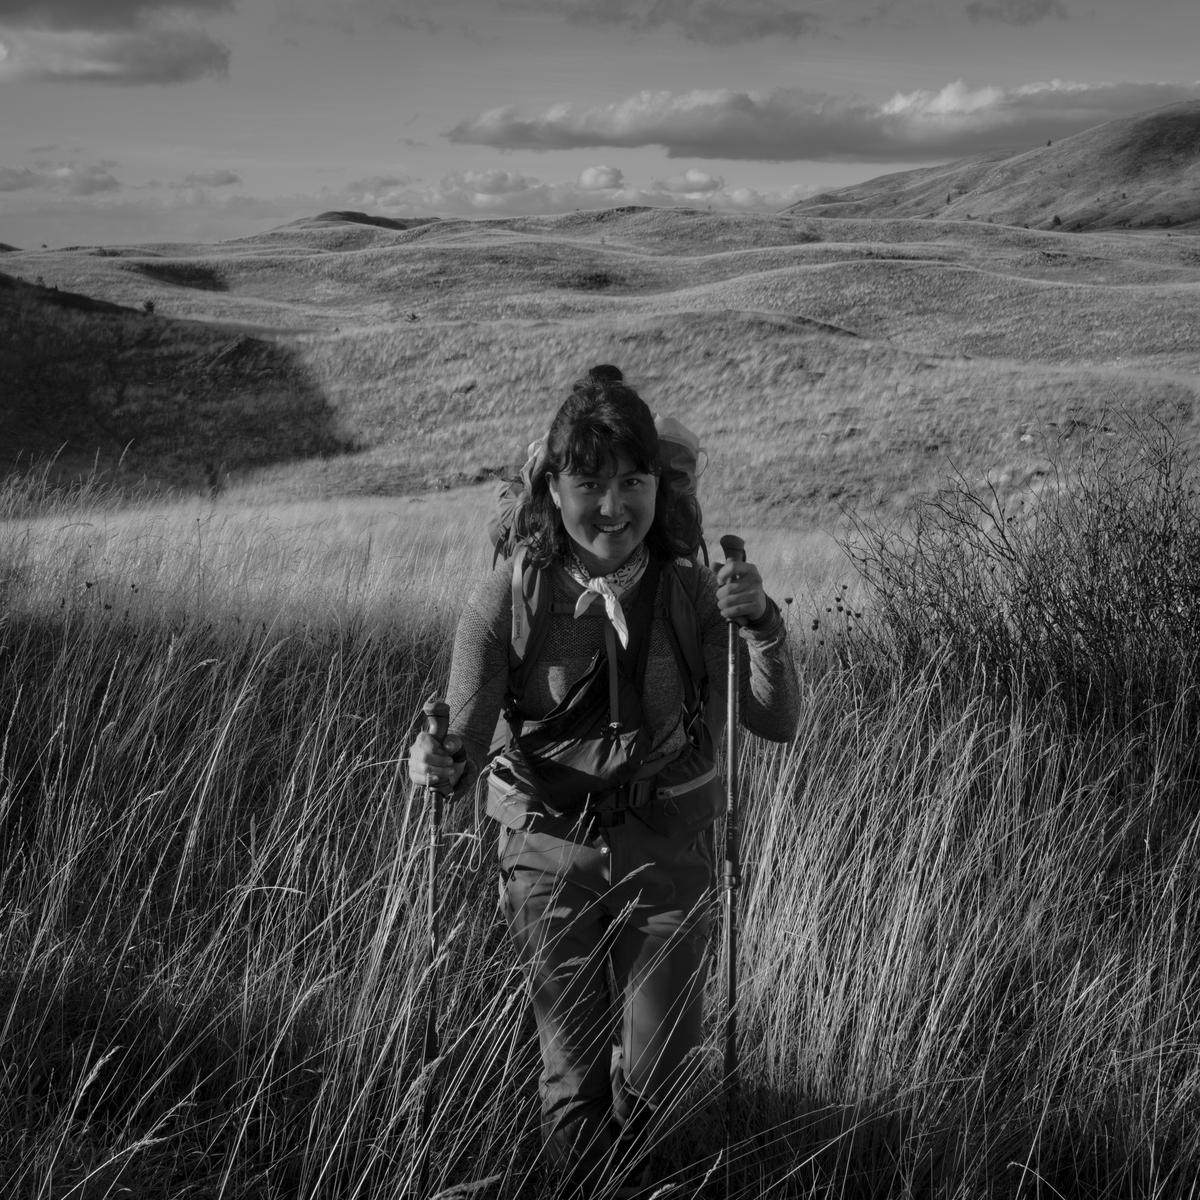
(146, 214)
(97, 14)
(789, 125)
(85, 179)
(715, 22)
(1016, 12)
(599, 179)
(693, 182)
(220, 178)
(14, 180)
(69, 178)
(151, 56)
(379, 183)
(376, 191)
(499, 193)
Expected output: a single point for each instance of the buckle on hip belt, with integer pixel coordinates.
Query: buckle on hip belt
(605, 818)
(606, 810)
(603, 810)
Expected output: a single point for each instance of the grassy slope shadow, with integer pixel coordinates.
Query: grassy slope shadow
(138, 396)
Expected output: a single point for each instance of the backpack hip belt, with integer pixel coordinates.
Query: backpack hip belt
(515, 807)
(606, 809)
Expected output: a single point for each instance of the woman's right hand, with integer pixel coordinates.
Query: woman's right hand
(434, 764)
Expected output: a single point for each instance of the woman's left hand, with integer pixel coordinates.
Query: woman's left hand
(740, 594)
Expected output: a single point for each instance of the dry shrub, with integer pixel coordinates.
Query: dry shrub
(1082, 585)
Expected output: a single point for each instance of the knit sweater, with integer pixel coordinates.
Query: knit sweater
(769, 693)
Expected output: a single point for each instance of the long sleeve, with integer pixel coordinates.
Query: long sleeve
(769, 695)
(479, 668)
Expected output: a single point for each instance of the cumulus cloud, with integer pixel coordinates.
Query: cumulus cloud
(1016, 12)
(693, 182)
(789, 125)
(150, 56)
(97, 14)
(599, 179)
(715, 22)
(494, 193)
(493, 183)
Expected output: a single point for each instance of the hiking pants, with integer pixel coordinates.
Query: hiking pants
(611, 925)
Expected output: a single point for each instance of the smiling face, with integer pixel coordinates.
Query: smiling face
(606, 515)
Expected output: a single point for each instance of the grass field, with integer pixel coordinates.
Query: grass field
(969, 961)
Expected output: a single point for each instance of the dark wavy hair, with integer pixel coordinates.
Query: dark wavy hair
(602, 418)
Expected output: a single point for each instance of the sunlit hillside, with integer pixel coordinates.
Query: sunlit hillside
(826, 363)
(1139, 172)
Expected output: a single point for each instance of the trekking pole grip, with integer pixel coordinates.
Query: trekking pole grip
(437, 718)
(733, 548)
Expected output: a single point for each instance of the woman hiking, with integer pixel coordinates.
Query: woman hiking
(606, 794)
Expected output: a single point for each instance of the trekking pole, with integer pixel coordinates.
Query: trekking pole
(436, 724)
(734, 550)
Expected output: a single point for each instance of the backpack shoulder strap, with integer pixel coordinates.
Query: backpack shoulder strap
(680, 603)
(641, 616)
(681, 620)
(530, 599)
(532, 602)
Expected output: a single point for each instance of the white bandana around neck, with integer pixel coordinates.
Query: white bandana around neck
(609, 588)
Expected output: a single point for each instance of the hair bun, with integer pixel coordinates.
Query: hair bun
(605, 373)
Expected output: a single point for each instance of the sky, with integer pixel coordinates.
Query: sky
(135, 121)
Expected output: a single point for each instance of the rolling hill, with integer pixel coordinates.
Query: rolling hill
(1142, 172)
(830, 358)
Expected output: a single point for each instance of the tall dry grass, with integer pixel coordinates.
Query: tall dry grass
(968, 964)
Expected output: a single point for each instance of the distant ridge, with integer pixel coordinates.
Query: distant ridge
(1140, 172)
(347, 217)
